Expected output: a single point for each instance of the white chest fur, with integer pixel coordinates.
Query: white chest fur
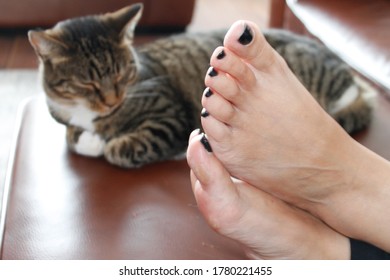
(76, 114)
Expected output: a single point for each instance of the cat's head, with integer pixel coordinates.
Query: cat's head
(89, 61)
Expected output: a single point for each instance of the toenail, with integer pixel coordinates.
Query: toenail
(208, 92)
(206, 143)
(246, 37)
(204, 113)
(221, 55)
(212, 72)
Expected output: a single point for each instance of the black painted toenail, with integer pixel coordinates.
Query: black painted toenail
(212, 72)
(206, 143)
(221, 55)
(208, 92)
(246, 37)
(204, 113)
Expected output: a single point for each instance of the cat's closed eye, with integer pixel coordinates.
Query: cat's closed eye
(90, 85)
(63, 86)
(59, 83)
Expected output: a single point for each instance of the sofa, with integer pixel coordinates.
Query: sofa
(356, 30)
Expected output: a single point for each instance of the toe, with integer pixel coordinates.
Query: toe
(245, 39)
(235, 67)
(217, 106)
(223, 83)
(194, 133)
(216, 130)
(211, 178)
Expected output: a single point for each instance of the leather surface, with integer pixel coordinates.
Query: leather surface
(357, 30)
(26, 13)
(65, 206)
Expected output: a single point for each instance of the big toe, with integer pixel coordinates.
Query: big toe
(245, 39)
(212, 185)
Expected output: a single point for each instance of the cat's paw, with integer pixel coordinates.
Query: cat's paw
(90, 144)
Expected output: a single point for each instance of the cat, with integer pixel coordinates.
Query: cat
(138, 105)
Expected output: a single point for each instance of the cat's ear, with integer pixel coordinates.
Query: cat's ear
(125, 20)
(44, 43)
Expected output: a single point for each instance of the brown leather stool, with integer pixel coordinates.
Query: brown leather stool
(65, 206)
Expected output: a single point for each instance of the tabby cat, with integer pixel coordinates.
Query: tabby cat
(138, 105)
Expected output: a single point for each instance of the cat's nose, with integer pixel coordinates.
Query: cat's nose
(111, 99)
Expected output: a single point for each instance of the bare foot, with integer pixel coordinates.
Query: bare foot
(267, 129)
(268, 227)
(258, 114)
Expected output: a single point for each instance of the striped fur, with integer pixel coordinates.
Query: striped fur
(138, 105)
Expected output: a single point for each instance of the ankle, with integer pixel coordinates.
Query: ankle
(334, 165)
(358, 205)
